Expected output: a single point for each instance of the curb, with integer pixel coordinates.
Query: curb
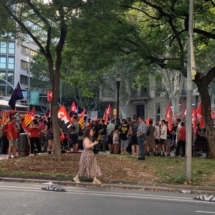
(186, 189)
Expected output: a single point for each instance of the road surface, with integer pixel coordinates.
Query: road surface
(30, 199)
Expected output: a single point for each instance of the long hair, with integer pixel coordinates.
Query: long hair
(87, 133)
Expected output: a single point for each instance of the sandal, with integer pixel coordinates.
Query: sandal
(76, 179)
(97, 182)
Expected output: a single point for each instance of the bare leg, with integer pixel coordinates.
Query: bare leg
(137, 150)
(75, 147)
(110, 148)
(52, 146)
(50, 143)
(133, 149)
(14, 151)
(9, 151)
(122, 150)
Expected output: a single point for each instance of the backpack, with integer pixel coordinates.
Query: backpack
(148, 131)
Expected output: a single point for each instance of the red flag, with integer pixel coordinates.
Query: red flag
(202, 122)
(108, 111)
(73, 107)
(194, 120)
(199, 110)
(199, 115)
(64, 118)
(107, 115)
(169, 118)
(167, 110)
(82, 114)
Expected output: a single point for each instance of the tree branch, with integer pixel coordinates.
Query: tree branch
(138, 9)
(22, 25)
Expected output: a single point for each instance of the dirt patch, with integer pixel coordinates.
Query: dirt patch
(115, 167)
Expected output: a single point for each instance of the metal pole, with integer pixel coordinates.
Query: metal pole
(190, 72)
(117, 103)
(29, 76)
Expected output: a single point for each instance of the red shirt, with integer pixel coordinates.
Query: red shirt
(13, 130)
(182, 133)
(34, 132)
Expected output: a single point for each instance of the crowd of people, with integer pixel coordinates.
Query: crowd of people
(130, 136)
(138, 138)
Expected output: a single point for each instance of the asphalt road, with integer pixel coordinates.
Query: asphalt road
(30, 199)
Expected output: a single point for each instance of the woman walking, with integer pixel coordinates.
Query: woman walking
(88, 164)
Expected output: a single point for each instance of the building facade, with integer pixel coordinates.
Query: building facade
(15, 60)
(149, 102)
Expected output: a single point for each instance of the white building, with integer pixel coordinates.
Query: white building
(15, 58)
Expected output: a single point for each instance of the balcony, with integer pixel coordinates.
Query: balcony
(106, 95)
(143, 93)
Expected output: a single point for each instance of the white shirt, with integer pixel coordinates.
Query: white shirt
(163, 132)
(158, 131)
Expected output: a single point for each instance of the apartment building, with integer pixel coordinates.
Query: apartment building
(15, 60)
(150, 101)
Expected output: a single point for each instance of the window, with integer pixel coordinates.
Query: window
(3, 62)
(11, 49)
(140, 110)
(144, 91)
(32, 52)
(26, 51)
(24, 79)
(24, 65)
(11, 63)
(158, 111)
(10, 77)
(3, 75)
(3, 47)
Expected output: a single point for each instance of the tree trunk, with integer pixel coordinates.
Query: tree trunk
(206, 113)
(123, 111)
(54, 109)
(175, 103)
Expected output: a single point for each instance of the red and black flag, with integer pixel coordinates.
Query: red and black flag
(64, 120)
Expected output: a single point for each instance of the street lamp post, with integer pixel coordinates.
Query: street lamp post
(118, 79)
(29, 74)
